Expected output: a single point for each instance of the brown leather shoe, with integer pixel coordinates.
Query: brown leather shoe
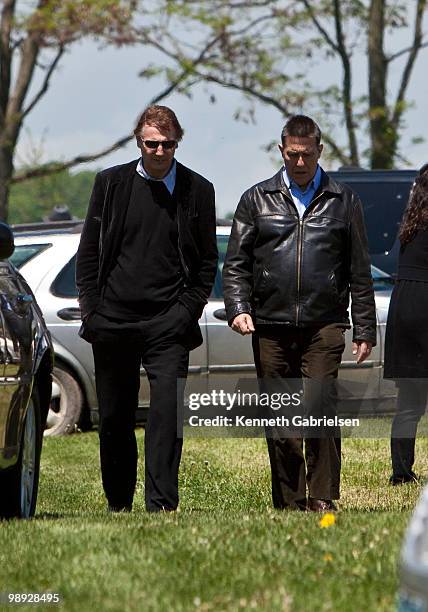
(297, 504)
(321, 505)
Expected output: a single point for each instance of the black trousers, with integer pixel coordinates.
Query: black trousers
(120, 349)
(411, 405)
(312, 353)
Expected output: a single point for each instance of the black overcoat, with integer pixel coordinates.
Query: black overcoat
(406, 341)
(103, 229)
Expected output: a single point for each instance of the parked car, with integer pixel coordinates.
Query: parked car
(384, 194)
(46, 254)
(26, 356)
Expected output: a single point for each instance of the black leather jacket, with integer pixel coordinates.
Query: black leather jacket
(299, 272)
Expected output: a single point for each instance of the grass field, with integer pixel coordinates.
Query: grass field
(225, 549)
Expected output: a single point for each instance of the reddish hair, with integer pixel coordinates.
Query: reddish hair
(160, 117)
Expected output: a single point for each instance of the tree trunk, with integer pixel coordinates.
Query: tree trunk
(346, 85)
(383, 136)
(6, 172)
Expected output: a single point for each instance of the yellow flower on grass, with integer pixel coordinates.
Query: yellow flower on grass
(327, 520)
(328, 557)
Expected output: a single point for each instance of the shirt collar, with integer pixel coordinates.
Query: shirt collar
(167, 179)
(314, 184)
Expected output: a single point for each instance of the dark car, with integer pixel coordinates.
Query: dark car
(384, 194)
(26, 356)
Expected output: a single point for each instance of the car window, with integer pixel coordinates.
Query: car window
(24, 252)
(65, 284)
(383, 203)
(384, 194)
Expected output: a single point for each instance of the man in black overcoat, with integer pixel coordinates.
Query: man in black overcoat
(145, 267)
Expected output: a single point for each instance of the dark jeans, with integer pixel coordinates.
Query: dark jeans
(119, 350)
(411, 404)
(312, 353)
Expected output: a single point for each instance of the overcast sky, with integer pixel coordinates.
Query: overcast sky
(96, 96)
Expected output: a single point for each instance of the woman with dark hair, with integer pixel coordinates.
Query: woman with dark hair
(406, 342)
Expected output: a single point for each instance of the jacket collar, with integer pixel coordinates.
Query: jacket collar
(126, 172)
(276, 183)
(183, 184)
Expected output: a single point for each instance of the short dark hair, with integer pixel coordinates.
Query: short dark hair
(161, 117)
(301, 126)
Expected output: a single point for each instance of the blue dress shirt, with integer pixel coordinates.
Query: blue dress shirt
(302, 199)
(168, 180)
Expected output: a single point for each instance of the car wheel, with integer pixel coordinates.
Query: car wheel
(66, 403)
(19, 484)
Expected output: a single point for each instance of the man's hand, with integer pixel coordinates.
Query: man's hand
(243, 324)
(361, 349)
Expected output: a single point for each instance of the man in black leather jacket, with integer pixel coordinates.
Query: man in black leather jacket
(297, 251)
(145, 267)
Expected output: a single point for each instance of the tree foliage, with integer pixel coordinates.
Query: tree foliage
(34, 200)
(34, 36)
(293, 55)
(305, 55)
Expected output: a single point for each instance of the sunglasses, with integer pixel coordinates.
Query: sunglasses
(165, 144)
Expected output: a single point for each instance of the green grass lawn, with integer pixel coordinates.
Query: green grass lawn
(225, 549)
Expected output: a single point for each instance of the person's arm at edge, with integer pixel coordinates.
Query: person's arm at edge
(238, 269)
(196, 295)
(363, 307)
(87, 259)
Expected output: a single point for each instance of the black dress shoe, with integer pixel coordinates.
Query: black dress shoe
(403, 479)
(321, 505)
(119, 508)
(162, 509)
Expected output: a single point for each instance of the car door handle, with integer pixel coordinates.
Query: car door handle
(70, 314)
(220, 313)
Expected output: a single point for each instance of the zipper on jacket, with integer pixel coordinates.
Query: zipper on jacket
(299, 255)
(299, 264)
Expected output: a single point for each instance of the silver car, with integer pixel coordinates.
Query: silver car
(46, 255)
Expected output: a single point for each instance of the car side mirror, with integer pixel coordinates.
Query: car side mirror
(7, 245)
